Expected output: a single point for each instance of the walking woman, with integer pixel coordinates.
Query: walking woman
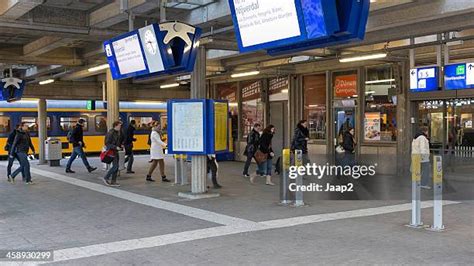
(265, 167)
(20, 147)
(113, 141)
(349, 146)
(157, 155)
(300, 140)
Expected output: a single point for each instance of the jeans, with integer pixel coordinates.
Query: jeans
(130, 160)
(77, 151)
(24, 168)
(10, 164)
(113, 171)
(265, 168)
(247, 163)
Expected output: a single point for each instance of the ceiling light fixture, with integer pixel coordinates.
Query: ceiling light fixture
(245, 74)
(284, 91)
(379, 81)
(47, 81)
(363, 57)
(172, 85)
(98, 68)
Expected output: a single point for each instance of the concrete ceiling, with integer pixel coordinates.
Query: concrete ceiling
(67, 34)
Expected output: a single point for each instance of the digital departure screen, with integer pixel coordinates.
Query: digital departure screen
(459, 76)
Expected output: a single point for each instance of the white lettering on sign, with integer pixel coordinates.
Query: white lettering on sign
(413, 79)
(469, 73)
(263, 21)
(129, 55)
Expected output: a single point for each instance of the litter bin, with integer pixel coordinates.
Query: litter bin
(53, 151)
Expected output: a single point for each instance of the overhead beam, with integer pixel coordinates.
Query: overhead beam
(45, 44)
(110, 14)
(93, 91)
(30, 60)
(14, 9)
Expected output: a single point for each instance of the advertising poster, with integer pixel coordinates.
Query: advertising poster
(345, 86)
(372, 126)
(220, 125)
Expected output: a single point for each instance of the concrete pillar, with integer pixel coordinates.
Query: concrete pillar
(295, 103)
(42, 130)
(112, 99)
(198, 91)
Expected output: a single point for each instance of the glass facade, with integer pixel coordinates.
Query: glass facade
(252, 107)
(315, 105)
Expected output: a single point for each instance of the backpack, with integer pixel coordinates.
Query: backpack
(69, 136)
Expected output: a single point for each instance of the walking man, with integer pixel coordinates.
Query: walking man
(253, 139)
(11, 155)
(20, 148)
(128, 144)
(113, 142)
(77, 140)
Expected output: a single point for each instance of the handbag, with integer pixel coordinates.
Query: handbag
(340, 149)
(107, 156)
(260, 157)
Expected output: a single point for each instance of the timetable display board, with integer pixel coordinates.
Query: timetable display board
(157, 49)
(291, 25)
(459, 76)
(424, 79)
(197, 126)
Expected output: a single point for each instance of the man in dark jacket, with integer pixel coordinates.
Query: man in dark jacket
(300, 140)
(113, 141)
(21, 146)
(11, 138)
(128, 144)
(77, 140)
(253, 139)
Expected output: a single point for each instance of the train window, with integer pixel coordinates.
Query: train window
(33, 123)
(100, 123)
(68, 123)
(142, 122)
(5, 126)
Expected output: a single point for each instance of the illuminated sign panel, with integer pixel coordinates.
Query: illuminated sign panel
(424, 79)
(459, 76)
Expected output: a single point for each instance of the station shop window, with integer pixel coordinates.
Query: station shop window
(100, 123)
(315, 105)
(252, 107)
(68, 123)
(142, 122)
(33, 123)
(5, 124)
(380, 110)
(228, 91)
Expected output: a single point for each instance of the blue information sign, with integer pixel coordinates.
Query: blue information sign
(459, 76)
(197, 126)
(157, 49)
(424, 79)
(11, 89)
(294, 25)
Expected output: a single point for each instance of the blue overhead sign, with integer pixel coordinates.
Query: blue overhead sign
(157, 49)
(12, 89)
(294, 25)
(459, 76)
(424, 79)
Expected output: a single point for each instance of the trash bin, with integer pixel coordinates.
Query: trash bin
(121, 155)
(53, 151)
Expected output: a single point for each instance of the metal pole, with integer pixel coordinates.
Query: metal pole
(182, 167)
(299, 179)
(177, 169)
(285, 177)
(438, 194)
(416, 191)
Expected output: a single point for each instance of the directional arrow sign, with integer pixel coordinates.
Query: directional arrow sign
(470, 74)
(413, 79)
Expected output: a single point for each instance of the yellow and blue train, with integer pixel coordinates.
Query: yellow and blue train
(63, 115)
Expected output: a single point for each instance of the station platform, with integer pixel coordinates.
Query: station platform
(84, 221)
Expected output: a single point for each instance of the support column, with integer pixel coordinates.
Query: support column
(198, 91)
(295, 103)
(42, 130)
(112, 99)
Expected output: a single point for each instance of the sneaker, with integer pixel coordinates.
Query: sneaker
(164, 179)
(106, 182)
(69, 171)
(29, 183)
(217, 186)
(9, 179)
(115, 185)
(130, 172)
(91, 169)
(246, 175)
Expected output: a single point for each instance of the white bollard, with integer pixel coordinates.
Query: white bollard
(438, 194)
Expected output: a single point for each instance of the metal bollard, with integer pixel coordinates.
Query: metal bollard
(180, 169)
(416, 191)
(438, 194)
(285, 181)
(299, 179)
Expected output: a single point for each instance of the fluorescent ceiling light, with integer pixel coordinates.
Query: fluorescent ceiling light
(233, 104)
(44, 82)
(284, 91)
(379, 81)
(98, 68)
(172, 85)
(245, 74)
(363, 57)
(312, 105)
